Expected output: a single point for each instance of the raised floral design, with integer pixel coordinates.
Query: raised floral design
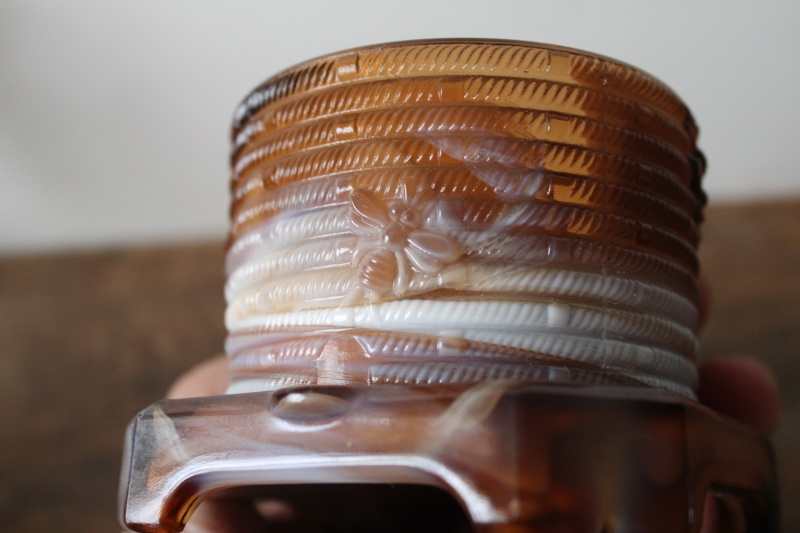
(394, 248)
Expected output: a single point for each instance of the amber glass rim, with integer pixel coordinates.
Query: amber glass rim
(462, 40)
(239, 122)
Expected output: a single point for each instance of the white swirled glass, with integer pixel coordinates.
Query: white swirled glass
(456, 211)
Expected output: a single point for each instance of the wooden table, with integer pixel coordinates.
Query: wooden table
(88, 339)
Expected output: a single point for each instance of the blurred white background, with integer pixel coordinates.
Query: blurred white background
(114, 116)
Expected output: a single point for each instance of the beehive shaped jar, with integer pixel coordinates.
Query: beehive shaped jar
(461, 211)
(462, 296)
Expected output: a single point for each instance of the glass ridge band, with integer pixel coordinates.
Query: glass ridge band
(481, 144)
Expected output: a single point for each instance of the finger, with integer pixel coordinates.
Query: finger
(225, 515)
(742, 388)
(710, 515)
(206, 379)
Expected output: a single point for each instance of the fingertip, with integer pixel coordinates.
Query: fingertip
(221, 514)
(208, 378)
(742, 388)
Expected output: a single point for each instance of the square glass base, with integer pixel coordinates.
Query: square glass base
(516, 457)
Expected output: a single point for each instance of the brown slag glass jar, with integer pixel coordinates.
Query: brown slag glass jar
(468, 269)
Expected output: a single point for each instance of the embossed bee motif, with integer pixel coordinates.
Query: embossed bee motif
(394, 247)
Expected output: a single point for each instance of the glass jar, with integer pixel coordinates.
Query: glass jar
(462, 264)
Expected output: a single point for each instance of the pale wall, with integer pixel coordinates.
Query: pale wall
(114, 116)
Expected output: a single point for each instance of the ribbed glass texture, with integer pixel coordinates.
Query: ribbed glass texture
(455, 211)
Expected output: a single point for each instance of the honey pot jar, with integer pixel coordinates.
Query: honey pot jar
(462, 290)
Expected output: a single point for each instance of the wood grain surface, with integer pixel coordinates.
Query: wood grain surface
(88, 339)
